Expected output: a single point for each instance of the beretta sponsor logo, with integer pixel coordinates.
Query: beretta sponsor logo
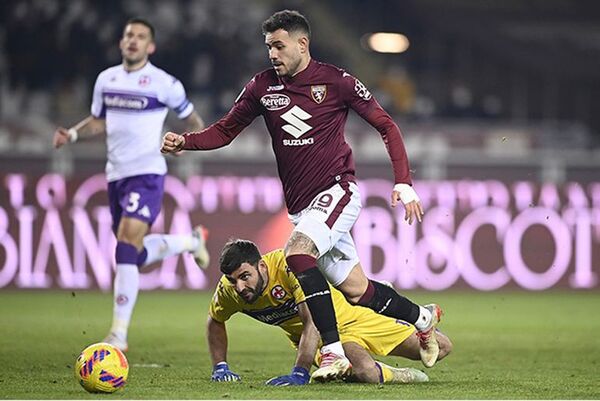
(275, 101)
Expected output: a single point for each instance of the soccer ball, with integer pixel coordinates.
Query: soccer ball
(101, 368)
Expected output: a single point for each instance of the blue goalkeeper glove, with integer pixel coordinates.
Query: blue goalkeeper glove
(221, 373)
(298, 377)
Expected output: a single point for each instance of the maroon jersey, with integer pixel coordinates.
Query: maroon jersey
(305, 116)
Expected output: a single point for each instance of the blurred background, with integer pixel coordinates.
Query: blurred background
(498, 102)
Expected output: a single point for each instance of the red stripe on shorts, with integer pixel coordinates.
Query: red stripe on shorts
(337, 211)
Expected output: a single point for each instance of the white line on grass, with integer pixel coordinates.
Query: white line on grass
(148, 365)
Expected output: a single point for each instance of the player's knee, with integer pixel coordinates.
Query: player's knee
(300, 261)
(300, 244)
(132, 231)
(352, 298)
(356, 289)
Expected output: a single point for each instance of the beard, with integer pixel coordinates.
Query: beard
(292, 68)
(133, 60)
(256, 291)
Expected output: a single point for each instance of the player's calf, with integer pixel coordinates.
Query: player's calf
(386, 301)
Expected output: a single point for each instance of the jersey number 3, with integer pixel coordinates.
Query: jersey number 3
(295, 118)
(134, 202)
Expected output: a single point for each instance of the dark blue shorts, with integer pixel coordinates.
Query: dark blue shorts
(139, 197)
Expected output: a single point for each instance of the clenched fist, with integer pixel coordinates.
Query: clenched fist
(172, 143)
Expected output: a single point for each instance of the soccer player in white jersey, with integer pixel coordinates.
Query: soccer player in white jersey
(130, 103)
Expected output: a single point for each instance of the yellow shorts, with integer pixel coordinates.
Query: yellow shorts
(376, 333)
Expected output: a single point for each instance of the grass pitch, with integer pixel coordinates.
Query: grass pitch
(506, 345)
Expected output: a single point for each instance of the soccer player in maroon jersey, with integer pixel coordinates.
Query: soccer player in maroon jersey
(305, 104)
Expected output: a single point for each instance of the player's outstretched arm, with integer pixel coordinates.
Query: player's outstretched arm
(307, 348)
(172, 143)
(408, 196)
(85, 128)
(216, 335)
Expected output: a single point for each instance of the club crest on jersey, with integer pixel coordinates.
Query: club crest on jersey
(144, 80)
(275, 101)
(318, 93)
(278, 292)
(122, 299)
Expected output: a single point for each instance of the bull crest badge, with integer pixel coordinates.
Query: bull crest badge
(318, 93)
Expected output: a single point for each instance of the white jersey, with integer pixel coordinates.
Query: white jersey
(134, 105)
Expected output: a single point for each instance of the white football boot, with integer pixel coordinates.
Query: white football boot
(408, 375)
(429, 347)
(332, 367)
(116, 341)
(201, 255)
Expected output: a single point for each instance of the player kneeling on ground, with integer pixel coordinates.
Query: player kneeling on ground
(265, 289)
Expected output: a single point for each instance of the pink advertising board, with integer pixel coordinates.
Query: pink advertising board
(482, 235)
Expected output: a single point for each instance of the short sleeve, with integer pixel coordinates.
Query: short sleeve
(356, 95)
(98, 110)
(223, 305)
(177, 99)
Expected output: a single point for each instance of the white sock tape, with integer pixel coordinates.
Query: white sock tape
(73, 135)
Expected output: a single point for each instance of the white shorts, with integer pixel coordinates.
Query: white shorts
(327, 222)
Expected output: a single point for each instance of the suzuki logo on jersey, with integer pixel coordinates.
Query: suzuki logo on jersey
(318, 93)
(275, 88)
(298, 142)
(275, 101)
(296, 127)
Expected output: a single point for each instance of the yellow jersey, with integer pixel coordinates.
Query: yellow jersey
(278, 304)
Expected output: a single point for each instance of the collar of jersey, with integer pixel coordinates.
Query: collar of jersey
(145, 67)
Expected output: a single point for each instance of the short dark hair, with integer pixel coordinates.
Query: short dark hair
(143, 21)
(288, 20)
(235, 253)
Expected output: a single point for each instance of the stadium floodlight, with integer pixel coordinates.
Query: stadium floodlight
(386, 42)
